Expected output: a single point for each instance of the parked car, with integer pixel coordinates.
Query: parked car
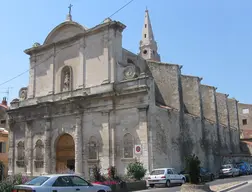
(60, 183)
(205, 175)
(250, 169)
(166, 176)
(244, 167)
(229, 170)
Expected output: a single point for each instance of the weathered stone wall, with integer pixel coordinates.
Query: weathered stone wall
(234, 125)
(194, 142)
(208, 102)
(211, 146)
(167, 77)
(166, 139)
(191, 94)
(221, 100)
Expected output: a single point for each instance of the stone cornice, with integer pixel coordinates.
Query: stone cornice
(114, 24)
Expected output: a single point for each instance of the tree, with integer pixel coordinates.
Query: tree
(193, 169)
(136, 170)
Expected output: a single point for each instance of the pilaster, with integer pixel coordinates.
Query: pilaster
(143, 136)
(78, 144)
(47, 145)
(28, 147)
(32, 78)
(112, 139)
(11, 152)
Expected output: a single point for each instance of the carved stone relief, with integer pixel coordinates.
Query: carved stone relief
(23, 93)
(66, 79)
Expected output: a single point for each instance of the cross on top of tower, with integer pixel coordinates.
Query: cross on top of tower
(69, 16)
(70, 9)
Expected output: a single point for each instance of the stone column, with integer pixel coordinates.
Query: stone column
(47, 145)
(11, 152)
(28, 147)
(78, 145)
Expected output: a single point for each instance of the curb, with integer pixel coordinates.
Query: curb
(234, 187)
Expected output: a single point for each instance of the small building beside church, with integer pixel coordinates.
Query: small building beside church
(90, 101)
(3, 139)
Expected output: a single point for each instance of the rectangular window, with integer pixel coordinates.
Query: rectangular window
(145, 25)
(144, 35)
(244, 122)
(245, 111)
(2, 147)
(3, 121)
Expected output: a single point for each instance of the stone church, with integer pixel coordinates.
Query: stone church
(90, 101)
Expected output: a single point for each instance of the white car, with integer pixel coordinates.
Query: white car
(229, 170)
(167, 176)
(60, 183)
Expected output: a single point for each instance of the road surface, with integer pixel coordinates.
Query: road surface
(215, 182)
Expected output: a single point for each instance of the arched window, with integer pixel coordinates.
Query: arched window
(39, 150)
(39, 157)
(66, 79)
(20, 151)
(93, 148)
(128, 146)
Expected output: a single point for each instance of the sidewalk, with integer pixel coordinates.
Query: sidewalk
(228, 186)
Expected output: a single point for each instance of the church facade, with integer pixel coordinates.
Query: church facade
(90, 101)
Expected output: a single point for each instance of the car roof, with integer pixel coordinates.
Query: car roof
(58, 175)
(162, 168)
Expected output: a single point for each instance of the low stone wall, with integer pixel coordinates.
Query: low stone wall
(127, 187)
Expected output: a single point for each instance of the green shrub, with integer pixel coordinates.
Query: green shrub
(193, 168)
(136, 170)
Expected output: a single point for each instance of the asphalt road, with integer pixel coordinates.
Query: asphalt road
(215, 182)
(245, 188)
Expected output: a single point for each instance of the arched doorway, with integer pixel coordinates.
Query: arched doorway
(65, 154)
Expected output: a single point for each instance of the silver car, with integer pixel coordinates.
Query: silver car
(229, 170)
(60, 183)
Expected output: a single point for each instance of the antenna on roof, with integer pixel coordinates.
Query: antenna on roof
(7, 92)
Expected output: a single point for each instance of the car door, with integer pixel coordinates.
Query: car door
(63, 184)
(204, 174)
(171, 176)
(81, 185)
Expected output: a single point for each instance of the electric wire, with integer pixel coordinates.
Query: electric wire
(15, 77)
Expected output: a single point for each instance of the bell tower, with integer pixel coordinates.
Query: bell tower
(148, 45)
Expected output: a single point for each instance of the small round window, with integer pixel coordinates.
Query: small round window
(145, 52)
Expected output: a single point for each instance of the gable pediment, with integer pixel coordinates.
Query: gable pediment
(64, 31)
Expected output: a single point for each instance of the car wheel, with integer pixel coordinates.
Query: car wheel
(200, 180)
(212, 177)
(233, 175)
(168, 183)
(183, 181)
(152, 185)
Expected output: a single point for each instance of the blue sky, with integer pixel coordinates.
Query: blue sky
(210, 38)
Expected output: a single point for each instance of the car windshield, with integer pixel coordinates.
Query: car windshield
(38, 181)
(157, 172)
(226, 167)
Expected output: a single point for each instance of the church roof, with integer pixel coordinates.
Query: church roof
(4, 106)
